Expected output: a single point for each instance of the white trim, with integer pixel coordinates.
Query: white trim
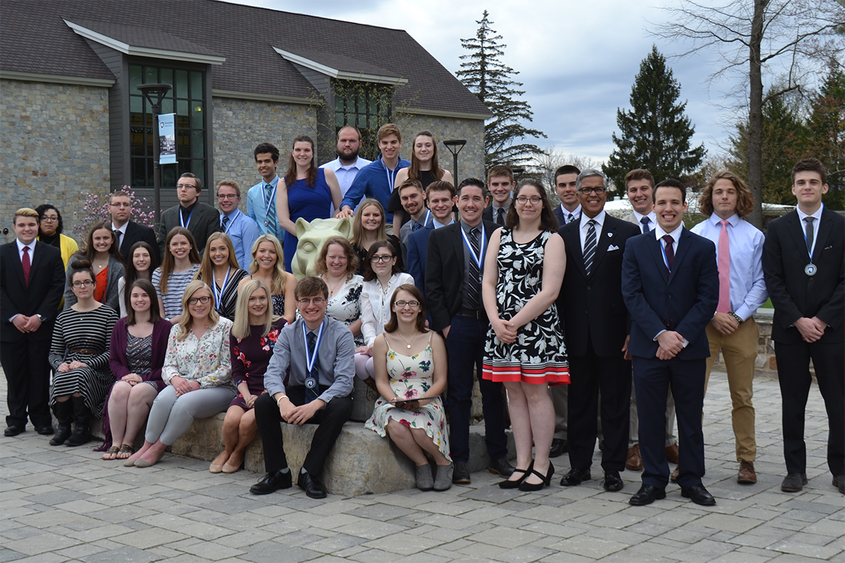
(136, 51)
(261, 97)
(339, 74)
(56, 78)
(443, 113)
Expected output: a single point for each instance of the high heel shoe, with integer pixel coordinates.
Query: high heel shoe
(515, 484)
(547, 479)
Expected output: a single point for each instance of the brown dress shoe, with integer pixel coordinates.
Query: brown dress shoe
(746, 475)
(672, 453)
(634, 461)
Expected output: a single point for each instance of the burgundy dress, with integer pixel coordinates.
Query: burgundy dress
(250, 358)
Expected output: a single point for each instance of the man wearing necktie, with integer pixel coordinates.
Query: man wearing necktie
(315, 352)
(742, 289)
(32, 279)
(261, 198)
(500, 184)
(242, 230)
(670, 284)
(805, 276)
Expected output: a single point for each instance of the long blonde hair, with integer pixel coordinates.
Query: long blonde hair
(279, 273)
(206, 271)
(185, 320)
(241, 327)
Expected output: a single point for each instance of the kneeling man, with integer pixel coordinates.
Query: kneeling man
(318, 351)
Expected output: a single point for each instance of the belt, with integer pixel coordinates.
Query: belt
(89, 352)
(479, 315)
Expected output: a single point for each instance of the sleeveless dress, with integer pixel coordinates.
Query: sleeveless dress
(539, 354)
(309, 203)
(411, 377)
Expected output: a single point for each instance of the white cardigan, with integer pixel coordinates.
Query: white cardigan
(375, 305)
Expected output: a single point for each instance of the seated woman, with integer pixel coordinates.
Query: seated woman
(79, 356)
(179, 266)
(197, 372)
(368, 226)
(381, 279)
(105, 261)
(252, 342)
(142, 262)
(220, 270)
(410, 363)
(336, 265)
(138, 345)
(268, 266)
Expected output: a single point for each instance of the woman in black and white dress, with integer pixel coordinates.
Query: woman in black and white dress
(337, 264)
(220, 270)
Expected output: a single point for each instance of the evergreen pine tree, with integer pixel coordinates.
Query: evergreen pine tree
(656, 133)
(827, 142)
(491, 81)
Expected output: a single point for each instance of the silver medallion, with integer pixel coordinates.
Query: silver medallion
(811, 269)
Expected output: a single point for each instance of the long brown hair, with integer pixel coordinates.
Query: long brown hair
(131, 273)
(169, 261)
(89, 253)
(393, 323)
(547, 217)
(414, 169)
(290, 175)
(146, 287)
(358, 223)
(744, 197)
(206, 271)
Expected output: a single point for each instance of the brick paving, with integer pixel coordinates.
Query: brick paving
(65, 504)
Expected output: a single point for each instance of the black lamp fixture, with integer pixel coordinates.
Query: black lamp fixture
(455, 146)
(154, 94)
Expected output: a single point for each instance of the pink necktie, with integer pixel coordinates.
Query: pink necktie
(25, 265)
(724, 270)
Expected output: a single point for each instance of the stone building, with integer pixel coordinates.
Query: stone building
(72, 121)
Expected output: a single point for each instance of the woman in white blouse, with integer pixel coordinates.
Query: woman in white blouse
(381, 278)
(197, 371)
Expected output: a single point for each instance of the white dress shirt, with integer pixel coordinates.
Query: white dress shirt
(584, 227)
(345, 173)
(567, 213)
(651, 217)
(31, 250)
(818, 216)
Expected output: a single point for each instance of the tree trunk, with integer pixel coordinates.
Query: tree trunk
(755, 115)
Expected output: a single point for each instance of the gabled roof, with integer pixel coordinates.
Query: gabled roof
(35, 40)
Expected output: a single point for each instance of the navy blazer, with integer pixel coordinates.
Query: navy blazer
(417, 252)
(683, 301)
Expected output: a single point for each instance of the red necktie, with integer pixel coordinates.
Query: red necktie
(670, 252)
(26, 265)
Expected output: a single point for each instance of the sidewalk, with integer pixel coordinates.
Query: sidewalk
(66, 504)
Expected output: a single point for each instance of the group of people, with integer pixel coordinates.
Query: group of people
(578, 324)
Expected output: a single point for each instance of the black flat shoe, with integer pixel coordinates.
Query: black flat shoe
(647, 495)
(515, 484)
(272, 482)
(547, 479)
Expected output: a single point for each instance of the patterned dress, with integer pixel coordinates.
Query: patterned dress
(539, 354)
(345, 305)
(250, 358)
(411, 377)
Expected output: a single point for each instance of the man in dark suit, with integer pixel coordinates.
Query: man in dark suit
(805, 274)
(32, 279)
(453, 270)
(199, 218)
(671, 286)
(440, 196)
(596, 326)
(500, 184)
(129, 232)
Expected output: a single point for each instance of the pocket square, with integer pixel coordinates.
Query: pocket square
(612, 247)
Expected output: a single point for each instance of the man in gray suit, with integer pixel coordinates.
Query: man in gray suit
(639, 185)
(199, 218)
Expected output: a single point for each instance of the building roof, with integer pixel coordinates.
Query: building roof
(243, 36)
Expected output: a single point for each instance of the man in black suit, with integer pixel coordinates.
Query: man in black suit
(454, 264)
(32, 279)
(500, 184)
(199, 218)
(596, 326)
(129, 232)
(805, 274)
(671, 286)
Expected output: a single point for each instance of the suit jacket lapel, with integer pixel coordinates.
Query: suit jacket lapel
(683, 246)
(794, 228)
(601, 245)
(822, 234)
(16, 262)
(657, 253)
(37, 258)
(458, 247)
(573, 241)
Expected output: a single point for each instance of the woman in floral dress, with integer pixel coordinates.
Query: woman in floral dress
(410, 368)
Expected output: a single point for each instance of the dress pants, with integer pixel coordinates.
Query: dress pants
(330, 420)
(653, 378)
(634, 420)
(27, 380)
(465, 346)
(794, 378)
(739, 351)
(612, 376)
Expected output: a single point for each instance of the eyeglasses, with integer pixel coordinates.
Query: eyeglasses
(598, 191)
(202, 300)
(534, 200)
(86, 283)
(305, 301)
(403, 304)
(51, 219)
(227, 196)
(381, 258)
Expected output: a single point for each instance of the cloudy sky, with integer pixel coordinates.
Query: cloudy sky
(577, 60)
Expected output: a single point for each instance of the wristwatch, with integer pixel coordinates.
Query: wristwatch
(738, 319)
(42, 318)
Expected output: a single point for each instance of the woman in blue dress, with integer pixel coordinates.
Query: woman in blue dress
(305, 192)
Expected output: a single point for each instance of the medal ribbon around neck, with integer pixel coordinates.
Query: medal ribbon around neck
(311, 359)
(218, 295)
(479, 259)
(184, 224)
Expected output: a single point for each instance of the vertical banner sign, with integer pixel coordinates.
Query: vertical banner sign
(167, 138)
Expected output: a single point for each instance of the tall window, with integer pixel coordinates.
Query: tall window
(187, 101)
(364, 105)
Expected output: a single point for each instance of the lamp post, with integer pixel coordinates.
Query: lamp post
(154, 94)
(455, 146)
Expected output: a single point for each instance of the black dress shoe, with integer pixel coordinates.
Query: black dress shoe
(647, 495)
(311, 485)
(501, 467)
(558, 448)
(699, 495)
(612, 481)
(793, 482)
(272, 482)
(546, 480)
(13, 430)
(515, 484)
(46, 430)
(575, 477)
(461, 474)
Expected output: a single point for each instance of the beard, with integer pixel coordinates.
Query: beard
(350, 156)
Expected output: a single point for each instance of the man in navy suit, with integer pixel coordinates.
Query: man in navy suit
(569, 210)
(440, 196)
(671, 287)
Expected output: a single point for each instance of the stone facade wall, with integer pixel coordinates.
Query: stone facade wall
(240, 125)
(471, 157)
(55, 147)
